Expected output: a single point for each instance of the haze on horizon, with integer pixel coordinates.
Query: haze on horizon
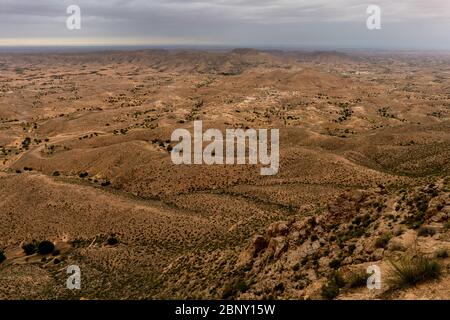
(406, 24)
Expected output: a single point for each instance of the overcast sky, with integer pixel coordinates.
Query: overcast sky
(408, 24)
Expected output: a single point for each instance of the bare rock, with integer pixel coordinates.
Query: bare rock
(278, 229)
(277, 246)
(257, 244)
(378, 254)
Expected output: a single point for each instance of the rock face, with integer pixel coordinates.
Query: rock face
(277, 246)
(257, 244)
(359, 229)
(278, 229)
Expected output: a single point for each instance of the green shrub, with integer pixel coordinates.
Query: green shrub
(442, 254)
(30, 248)
(331, 289)
(357, 279)
(425, 232)
(105, 183)
(415, 220)
(83, 174)
(234, 287)
(335, 264)
(447, 225)
(45, 247)
(383, 240)
(112, 241)
(410, 271)
(351, 248)
(279, 287)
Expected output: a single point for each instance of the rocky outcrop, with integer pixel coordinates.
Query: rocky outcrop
(360, 228)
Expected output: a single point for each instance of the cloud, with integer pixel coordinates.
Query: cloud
(234, 22)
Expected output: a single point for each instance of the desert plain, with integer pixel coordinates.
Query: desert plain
(363, 178)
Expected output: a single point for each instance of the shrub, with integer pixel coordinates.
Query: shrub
(112, 241)
(45, 247)
(26, 143)
(30, 248)
(337, 278)
(447, 225)
(421, 204)
(105, 183)
(410, 271)
(331, 289)
(2, 256)
(335, 264)
(415, 220)
(383, 241)
(357, 279)
(234, 287)
(351, 248)
(279, 287)
(83, 174)
(442, 254)
(425, 232)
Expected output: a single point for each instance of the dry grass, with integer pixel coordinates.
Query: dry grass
(412, 270)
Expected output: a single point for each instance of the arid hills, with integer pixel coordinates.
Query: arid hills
(363, 177)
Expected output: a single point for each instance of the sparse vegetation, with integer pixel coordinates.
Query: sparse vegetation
(357, 279)
(425, 232)
(83, 174)
(112, 240)
(331, 289)
(447, 225)
(412, 270)
(442, 254)
(45, 247)
(357, 184)
(335, 263)
(383, 240)
(238, 285)
(105, 183)
(30, 247)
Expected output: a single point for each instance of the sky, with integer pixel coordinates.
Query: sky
(405, 24)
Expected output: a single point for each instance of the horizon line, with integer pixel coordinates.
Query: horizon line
(132, 47)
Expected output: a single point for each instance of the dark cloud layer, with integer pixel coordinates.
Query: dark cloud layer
(294, 23)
